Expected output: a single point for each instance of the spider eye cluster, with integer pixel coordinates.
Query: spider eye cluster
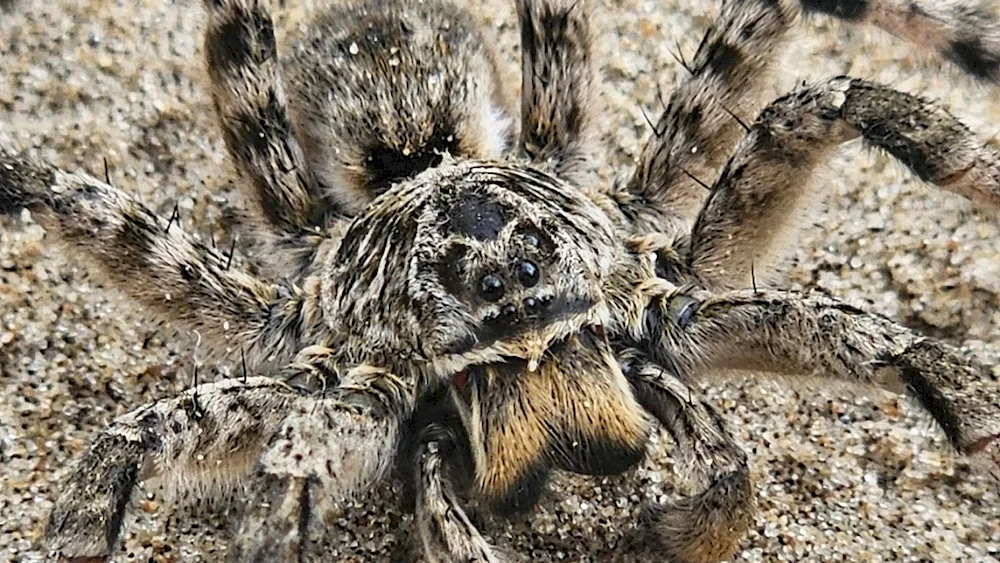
(500, 262)
(505, 272)
(467, 258)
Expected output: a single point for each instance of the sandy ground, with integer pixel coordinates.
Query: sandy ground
(843, 476)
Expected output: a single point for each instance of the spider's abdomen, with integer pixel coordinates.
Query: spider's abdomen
(380, 90)
(575, 412)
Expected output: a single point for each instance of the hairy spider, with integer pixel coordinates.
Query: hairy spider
(468, 306)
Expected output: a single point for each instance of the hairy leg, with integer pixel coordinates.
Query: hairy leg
(215, 435)
(446, 533)
(250, 99)
(757, 205)
(965, 32)
(333, 447)
(206, 438)
(708, 524)
(558, 88)
(697, 130)
(796, 334)
(274, 525)
(155, 262)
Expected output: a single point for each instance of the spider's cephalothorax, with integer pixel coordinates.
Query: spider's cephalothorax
(471, 313)
(481, 255)
(499, 292)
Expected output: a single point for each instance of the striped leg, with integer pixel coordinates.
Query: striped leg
(757, 206)
(215, 435)
(701, 124)
(965, 32)
(812, 335)
(155, 262)
(206, 439)
(446, 533)
(250, 99)
(558, 90)
(707, 525)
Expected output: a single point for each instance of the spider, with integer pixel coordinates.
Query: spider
(466, 305)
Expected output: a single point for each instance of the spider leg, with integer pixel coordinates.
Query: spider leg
(558, 87)
(446, 533)
(810, 334)
(698, 129)
(756, 206)
(331, 449)
(708, 524)
(964, 32)
(275, 524)
(154, 261)
(250, 100)
(217, 434)
(701, 124)
(194, 442)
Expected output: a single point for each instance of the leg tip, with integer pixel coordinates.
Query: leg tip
(22, 182)
(984, 456)
(706, 528)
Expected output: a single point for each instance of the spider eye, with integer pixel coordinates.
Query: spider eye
(531, 239)
(509, 310)
(527, 273)
(491, 288)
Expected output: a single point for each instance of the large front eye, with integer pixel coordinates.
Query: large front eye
(527, 273)
(491, 288)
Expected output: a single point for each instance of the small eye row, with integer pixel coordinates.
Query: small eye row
(531, 306)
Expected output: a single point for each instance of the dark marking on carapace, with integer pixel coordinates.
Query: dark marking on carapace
(848, 10)
(478, 217)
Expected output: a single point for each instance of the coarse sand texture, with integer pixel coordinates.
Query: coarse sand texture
(842, 475)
